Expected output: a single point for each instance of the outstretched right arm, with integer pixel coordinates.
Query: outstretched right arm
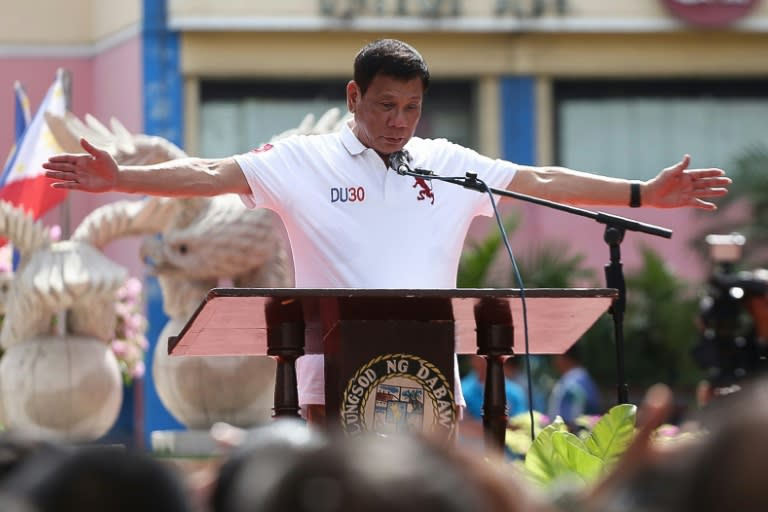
(97, 171)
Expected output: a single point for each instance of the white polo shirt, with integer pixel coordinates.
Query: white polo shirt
(354, 223)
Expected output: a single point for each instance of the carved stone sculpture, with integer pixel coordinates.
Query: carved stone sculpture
(53, 383)
(204, 242)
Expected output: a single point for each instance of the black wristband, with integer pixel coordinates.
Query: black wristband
(634, 195)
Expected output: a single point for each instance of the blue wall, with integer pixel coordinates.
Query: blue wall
(163, 116)
(518, 119)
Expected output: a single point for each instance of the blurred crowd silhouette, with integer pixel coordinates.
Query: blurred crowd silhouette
(283, 466)
(287, 465)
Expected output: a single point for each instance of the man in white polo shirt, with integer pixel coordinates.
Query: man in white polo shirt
(352, 221)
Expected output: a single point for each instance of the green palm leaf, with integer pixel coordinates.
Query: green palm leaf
(573, 459)
(613, 433)
(540, 461)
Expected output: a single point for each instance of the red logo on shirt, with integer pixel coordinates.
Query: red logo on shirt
(425, 190)
(262, 149)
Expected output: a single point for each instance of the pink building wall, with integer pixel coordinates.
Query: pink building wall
(36, 74)
(540, 226)
(585, 236)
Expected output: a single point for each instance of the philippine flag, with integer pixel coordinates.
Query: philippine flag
(23, 182)
(22, 116)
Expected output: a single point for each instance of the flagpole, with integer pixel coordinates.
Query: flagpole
(64, 212)
(65, 76)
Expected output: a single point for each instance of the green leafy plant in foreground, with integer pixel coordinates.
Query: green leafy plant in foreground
(557, 454)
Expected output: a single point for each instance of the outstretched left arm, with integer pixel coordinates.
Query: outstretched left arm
(674, 187)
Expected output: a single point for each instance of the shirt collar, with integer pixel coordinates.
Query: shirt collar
(350, 140)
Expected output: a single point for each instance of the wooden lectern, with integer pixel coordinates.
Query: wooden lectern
(389, 353)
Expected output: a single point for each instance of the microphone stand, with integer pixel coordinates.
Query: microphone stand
(615, 227)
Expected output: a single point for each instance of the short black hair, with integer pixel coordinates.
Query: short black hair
(392, 58)
(369, 472)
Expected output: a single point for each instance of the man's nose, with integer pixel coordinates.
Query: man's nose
(398, 118)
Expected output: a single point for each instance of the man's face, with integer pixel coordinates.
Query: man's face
(387, 114)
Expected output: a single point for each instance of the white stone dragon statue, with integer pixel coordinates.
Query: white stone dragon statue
(203, 242)
(61, 382)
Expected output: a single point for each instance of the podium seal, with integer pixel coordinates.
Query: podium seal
(398, 393)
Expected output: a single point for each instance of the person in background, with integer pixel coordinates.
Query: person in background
(516, 372)
(95, 479)
(575, 393)
(371, 473)
(473, 387)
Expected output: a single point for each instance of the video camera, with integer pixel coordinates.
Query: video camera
(732, 315)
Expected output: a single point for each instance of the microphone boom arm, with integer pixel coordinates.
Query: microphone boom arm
(615, 227)
(471, 182)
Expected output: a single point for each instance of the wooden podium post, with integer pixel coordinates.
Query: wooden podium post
(495, 334)
(389, 353)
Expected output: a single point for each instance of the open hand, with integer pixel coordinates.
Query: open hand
(95, 171)
(678, 186)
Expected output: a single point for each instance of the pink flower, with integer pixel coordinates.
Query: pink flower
(123, 310)
(130, 344)
(139, 370)
(55, 233)
(667, 430)
(131, 290)
(135, 321)
(120, 348)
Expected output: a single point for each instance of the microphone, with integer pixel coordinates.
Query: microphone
(398, 161)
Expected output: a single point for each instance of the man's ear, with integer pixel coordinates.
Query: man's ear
(353, 95)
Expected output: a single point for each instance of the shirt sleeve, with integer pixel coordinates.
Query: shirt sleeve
(266, 169)
(498, 175)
